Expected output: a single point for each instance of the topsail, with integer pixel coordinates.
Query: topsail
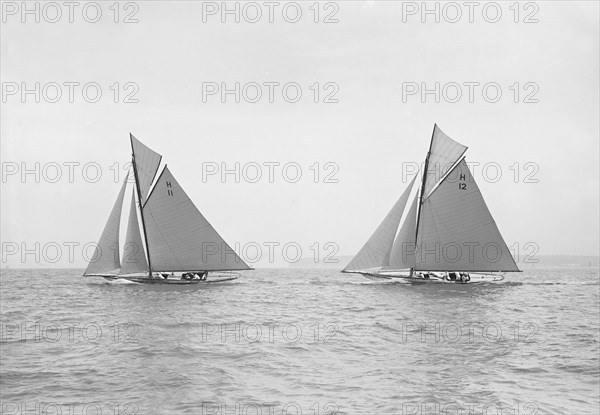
(444, 153)
(146, 162)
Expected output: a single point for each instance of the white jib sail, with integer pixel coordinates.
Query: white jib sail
(457, 231)
(106, 255)
(179, 237)
(147, 162)
(376, 252)
(443, 154)
(403, 250)
(134, 256)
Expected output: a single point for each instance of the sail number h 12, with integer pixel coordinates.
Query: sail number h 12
(462, 185)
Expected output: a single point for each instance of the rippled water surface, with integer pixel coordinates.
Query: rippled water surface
(294, 341)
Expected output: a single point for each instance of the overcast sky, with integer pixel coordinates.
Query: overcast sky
(373, 56)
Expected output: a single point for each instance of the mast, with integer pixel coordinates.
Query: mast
(423, 189)
(139, 193)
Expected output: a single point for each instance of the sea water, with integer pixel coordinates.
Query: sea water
(288, 341)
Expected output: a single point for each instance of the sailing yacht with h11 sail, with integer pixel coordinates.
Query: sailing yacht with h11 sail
(175, 244)
(448, 233)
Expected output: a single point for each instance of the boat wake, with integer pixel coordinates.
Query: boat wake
(121, 281)
(562, 283)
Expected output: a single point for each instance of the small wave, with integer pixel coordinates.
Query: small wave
(386, 327)
(509, 283)
(560, 283)
(355, 309)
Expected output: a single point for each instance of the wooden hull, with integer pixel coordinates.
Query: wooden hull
(379, 277)
(170, 281)
(434, 279)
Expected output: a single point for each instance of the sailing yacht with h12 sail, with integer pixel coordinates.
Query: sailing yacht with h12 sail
(175, 244)
(448, 233)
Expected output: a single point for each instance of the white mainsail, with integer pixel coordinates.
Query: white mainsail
(457, 231)
(134, 257)
(146, 163)
(376, 252)
(443, 154)
(106, 254)
(179, 237)
(403, 250)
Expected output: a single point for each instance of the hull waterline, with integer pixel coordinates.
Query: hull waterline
(169, 281)
(433, 279)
